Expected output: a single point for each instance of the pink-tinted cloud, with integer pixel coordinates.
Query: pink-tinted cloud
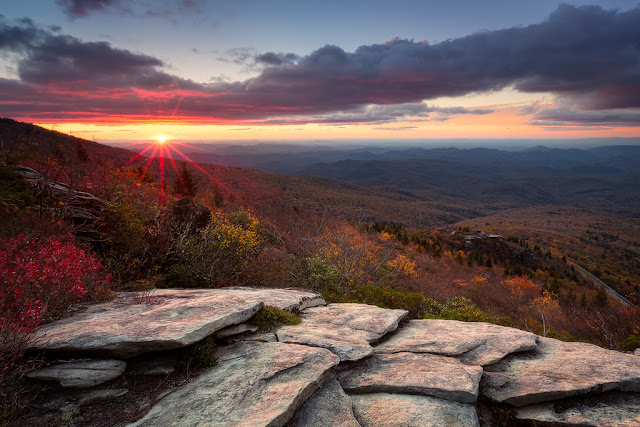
(587, 56)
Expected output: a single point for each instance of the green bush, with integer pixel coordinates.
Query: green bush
(457, 308)
(203, 353)
(14, 192)
(270, 317)
(415, 303)
(178, 276)
(632, 342)
(323, 276)
(419, 307)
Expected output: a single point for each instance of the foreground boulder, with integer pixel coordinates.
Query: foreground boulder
(558, 370)
(252, 384)
(80, 374)
(401, 410)
(119, 329)
(167, 319)
(346, 329)
(409, 373)
(473, 343)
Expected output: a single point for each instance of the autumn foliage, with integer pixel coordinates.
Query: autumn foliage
(38, 280)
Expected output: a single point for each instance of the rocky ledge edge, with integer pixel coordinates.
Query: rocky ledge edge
(343, 365)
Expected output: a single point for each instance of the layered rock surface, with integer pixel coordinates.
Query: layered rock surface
(346, 329)
(329, 407)
(383, 409)
(176, 318)
(559, 369)
(472, 343)
(346, 365)
(253, 384)
(410, 373)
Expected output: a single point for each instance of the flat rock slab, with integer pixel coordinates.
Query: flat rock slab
(253, 384)
(80, 374)
(290, 299)
(328, 407)
(410, 373)
(176, 318)
(558, 370)
(346, 329)
(400, 410)
(610, 409)
(471, 342)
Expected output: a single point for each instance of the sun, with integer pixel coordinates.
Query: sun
(161, 139)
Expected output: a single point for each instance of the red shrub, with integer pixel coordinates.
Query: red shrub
(39, 279)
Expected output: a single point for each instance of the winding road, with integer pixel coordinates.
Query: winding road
(610, 291)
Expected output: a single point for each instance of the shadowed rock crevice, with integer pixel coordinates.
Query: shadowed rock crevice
(328, 407)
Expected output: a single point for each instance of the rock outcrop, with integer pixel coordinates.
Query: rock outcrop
(176, 318)
(346, 329)
(253, 384)
(399, 410)
(473, 343)
(344, 365)
(410, 373)
(557, 370)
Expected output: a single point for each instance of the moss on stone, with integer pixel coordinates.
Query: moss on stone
(270, 317)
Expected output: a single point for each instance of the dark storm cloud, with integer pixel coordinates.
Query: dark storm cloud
(587, 53)
(20, 36)
(246, 56)
(380, 114)
(565, 116)
(588, 57)
(140, 8)
(66, 61)
(82, 8)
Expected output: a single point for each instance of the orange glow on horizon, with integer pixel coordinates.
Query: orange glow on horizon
(506, 121)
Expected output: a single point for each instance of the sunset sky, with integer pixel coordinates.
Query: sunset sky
(283, 70)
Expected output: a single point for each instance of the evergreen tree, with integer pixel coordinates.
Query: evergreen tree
(185, 184)
(81, 152)
(218, 197)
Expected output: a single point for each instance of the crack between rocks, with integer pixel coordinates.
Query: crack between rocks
(392, 390)
(283, 371)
